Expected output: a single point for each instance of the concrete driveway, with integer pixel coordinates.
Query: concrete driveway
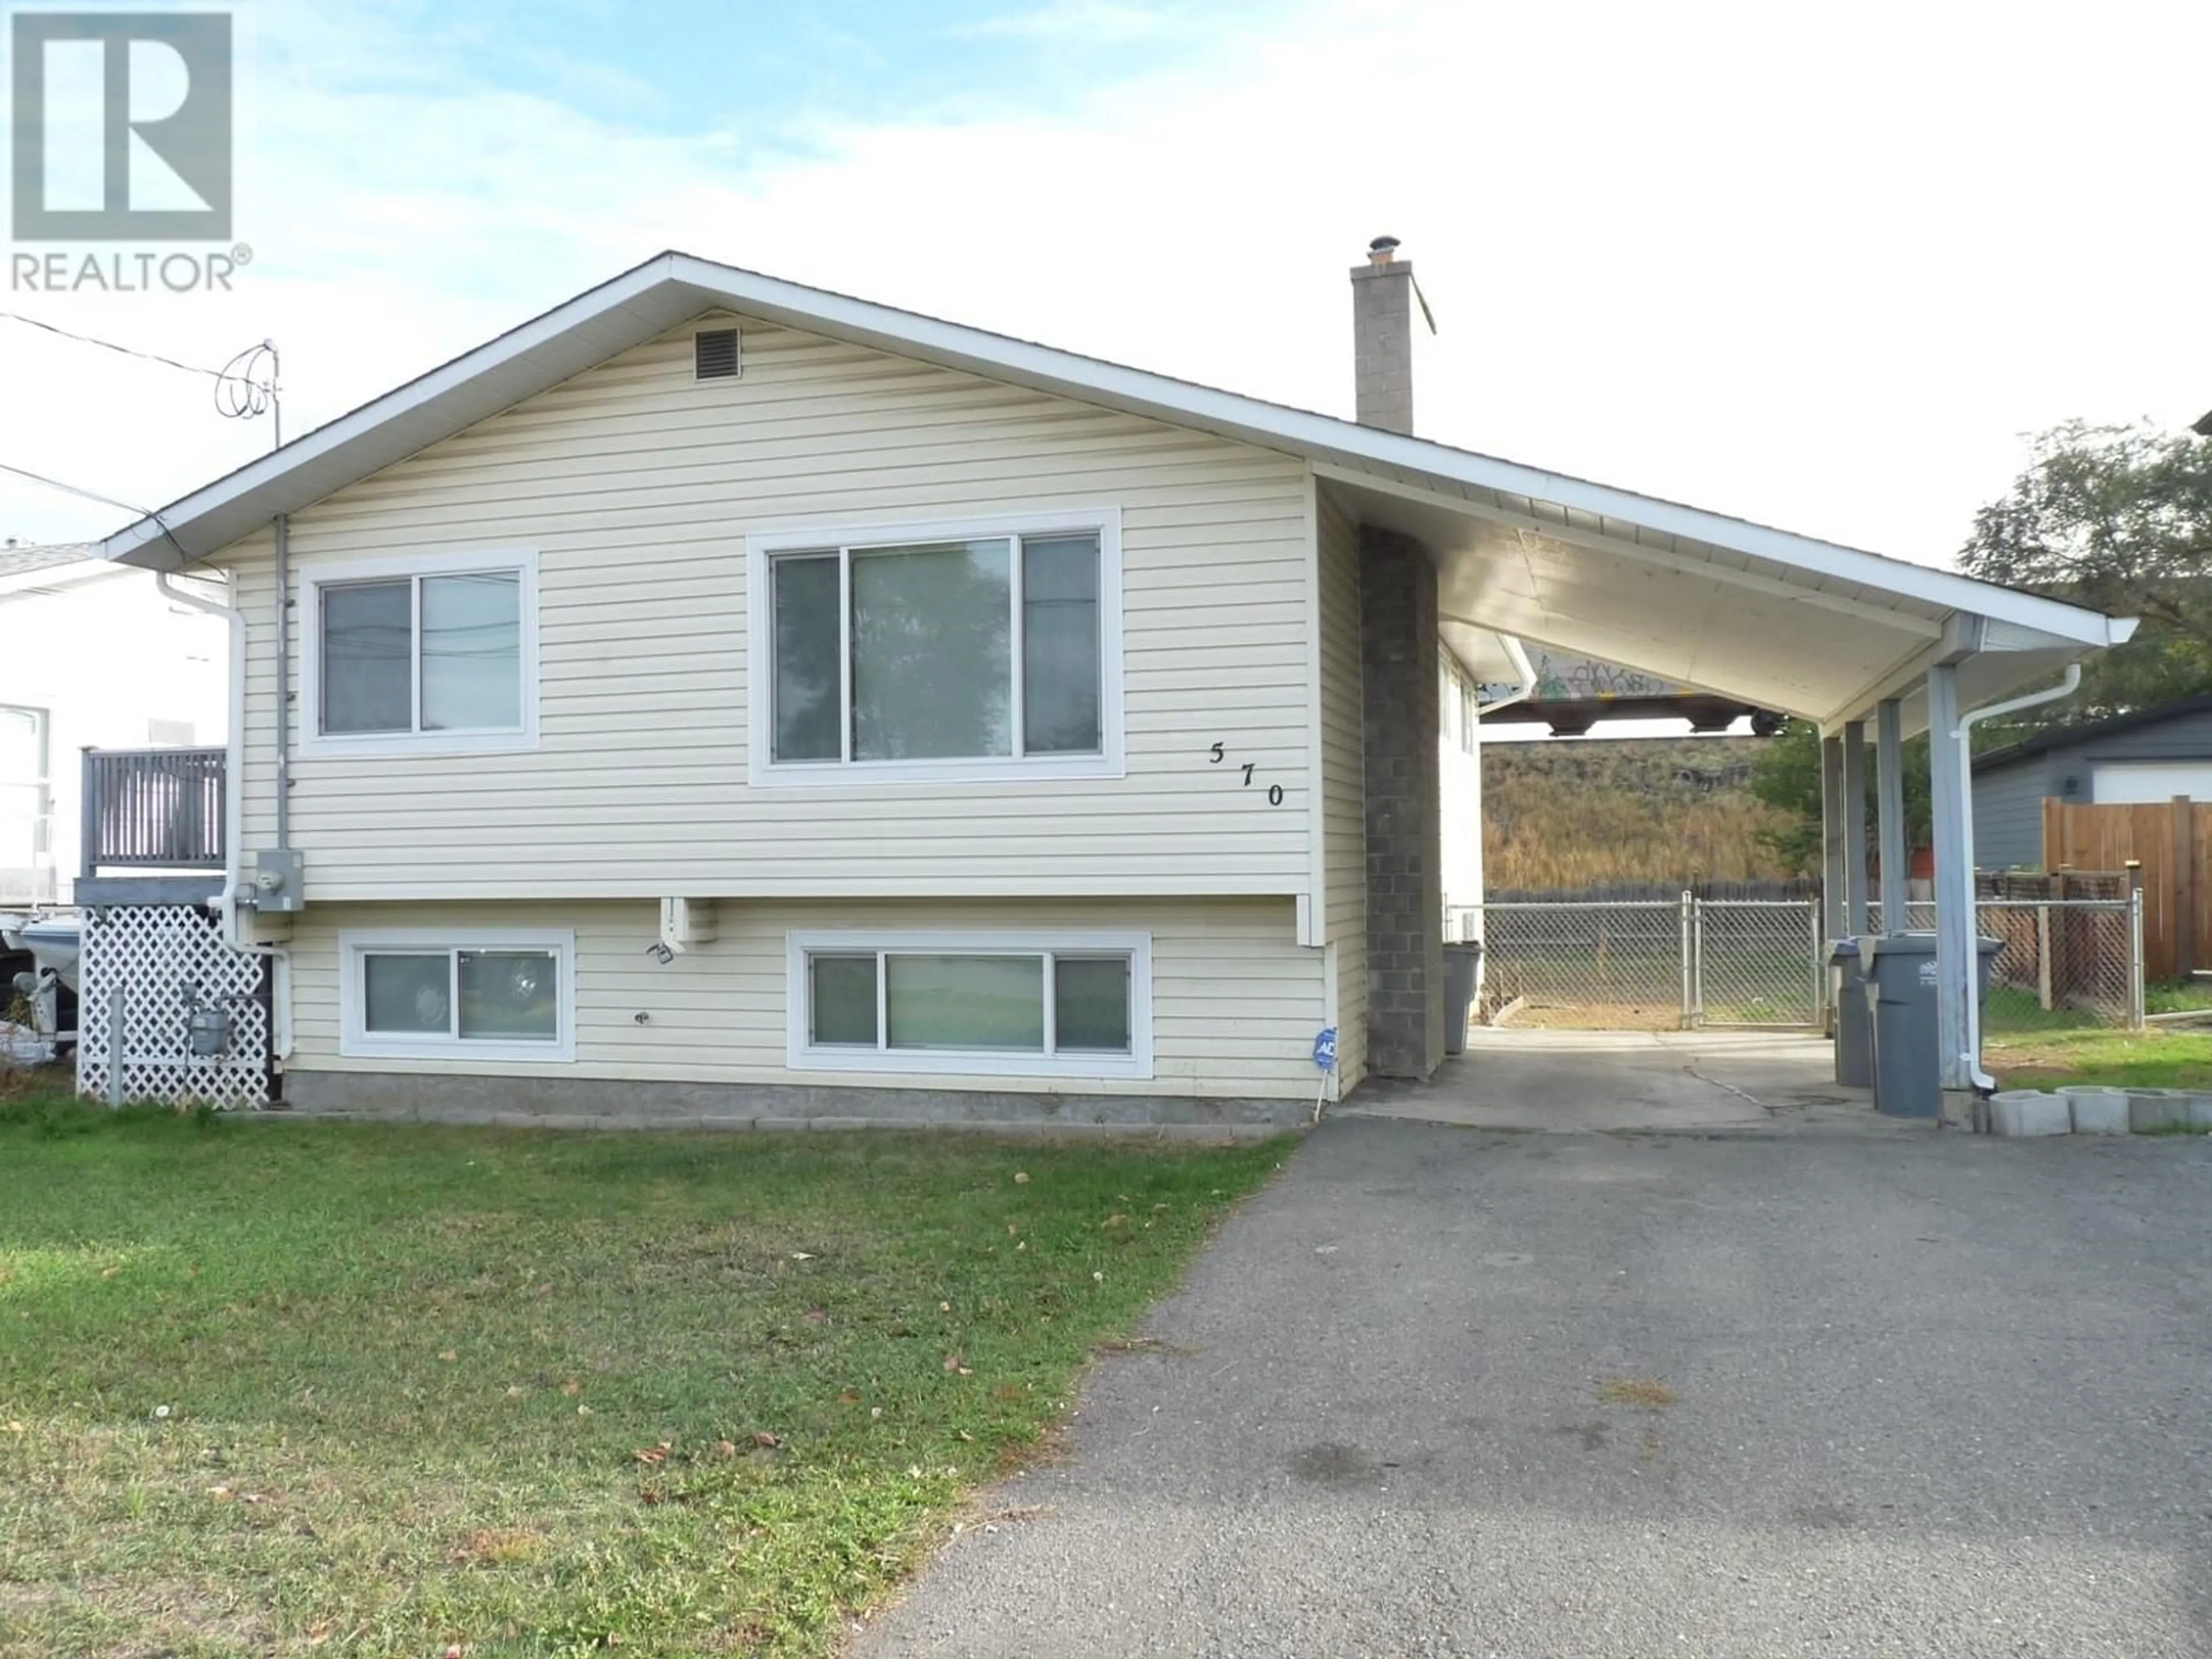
(1577, 1082)
(1450, 1391)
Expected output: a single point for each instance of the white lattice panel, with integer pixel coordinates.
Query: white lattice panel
(158, 959)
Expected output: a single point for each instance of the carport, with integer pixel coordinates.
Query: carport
(1847, 639)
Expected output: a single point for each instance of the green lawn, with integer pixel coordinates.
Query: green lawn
(284, 1388)
(2142, 1060)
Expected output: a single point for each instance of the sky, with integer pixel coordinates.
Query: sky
(1820, 267)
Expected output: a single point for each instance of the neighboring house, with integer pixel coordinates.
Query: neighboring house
(2152, 755)
(90, 654)
(721, 696)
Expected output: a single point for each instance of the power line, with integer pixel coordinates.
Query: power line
(71, 489)
(239, 396)
(110, 345)
(184, 558)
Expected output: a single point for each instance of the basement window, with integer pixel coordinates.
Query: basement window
(508, 994)
(983, 1004)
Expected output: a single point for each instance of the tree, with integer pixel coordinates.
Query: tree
(1787, 776)
(2115, 518)
(2118, 519)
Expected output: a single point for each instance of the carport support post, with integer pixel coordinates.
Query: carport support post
(1955, 966)
(1889, 810)
(1832, 860)
(1854, 858)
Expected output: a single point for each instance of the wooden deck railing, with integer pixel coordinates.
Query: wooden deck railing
(153, 809)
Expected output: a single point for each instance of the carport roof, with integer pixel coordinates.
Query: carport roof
(1783, 621)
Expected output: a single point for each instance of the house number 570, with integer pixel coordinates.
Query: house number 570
(1220, 753)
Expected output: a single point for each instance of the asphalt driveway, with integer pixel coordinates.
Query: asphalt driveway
(1448, 1391)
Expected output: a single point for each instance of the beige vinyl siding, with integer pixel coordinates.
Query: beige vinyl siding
(637, 486)
(1235, 999)
(1343, 783)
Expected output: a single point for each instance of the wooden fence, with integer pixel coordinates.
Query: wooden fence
(2168, 843)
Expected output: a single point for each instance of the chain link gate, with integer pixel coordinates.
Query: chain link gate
(1756, 961)
(1654, 964)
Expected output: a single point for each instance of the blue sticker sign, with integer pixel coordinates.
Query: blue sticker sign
(1324, 1054)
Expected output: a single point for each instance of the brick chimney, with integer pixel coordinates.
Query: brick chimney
(1403, 792)
(1383, 301)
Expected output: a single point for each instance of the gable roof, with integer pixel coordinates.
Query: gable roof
(645, 301)
(1783, 621)
(2069, 737)
(22, 561)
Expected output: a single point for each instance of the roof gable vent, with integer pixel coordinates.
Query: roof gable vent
(715, 354)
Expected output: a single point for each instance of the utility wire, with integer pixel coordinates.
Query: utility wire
(110, 345)
(184, 558)
(71, 489)
(239, 396)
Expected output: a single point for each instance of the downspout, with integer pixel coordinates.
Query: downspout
(1981, 1080)
(284, 671)
(234, 813)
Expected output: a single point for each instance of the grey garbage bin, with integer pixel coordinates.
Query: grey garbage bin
(1462, 966)
(1900, 996)
(1853, 1018)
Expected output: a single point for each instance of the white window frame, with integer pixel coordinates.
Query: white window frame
(357, 1041)
(40, 783)
(314, 741)
(802, 1055)
(762, 547)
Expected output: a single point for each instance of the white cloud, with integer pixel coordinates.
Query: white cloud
(1089, 22)
(1817, 268)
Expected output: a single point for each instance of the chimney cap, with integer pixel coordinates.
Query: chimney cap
(1381, 250)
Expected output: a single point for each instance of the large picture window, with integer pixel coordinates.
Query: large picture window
(949, 655)
(1034, 1003)
(505, 996)
(434, 652)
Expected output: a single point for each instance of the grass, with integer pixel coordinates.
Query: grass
(1568, 815)
(2179, 997)
(283, 1389)
(1647, 1392)
(2129, 1059)
(2013, 1008)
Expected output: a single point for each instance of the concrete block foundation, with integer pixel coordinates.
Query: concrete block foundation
(587, 1103)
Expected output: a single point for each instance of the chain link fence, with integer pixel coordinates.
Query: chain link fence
(1581, 966)
(2062, 964)
(1668, 965)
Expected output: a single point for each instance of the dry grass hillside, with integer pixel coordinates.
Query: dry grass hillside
(1571, 812)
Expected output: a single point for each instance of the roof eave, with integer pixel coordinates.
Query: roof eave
(163, 540)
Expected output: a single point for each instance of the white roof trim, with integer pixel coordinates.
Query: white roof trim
(645, 302)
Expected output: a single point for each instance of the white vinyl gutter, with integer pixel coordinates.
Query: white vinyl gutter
(1517, 654)
(234, 813)
(1981, 1080)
